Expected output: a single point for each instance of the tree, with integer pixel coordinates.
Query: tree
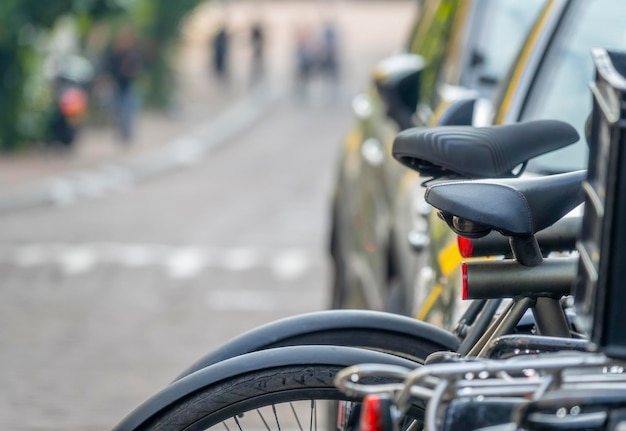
(160, 22)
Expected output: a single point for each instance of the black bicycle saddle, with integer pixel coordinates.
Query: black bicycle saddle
(479, 152)
(514, 206)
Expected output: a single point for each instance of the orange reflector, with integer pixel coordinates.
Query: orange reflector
(466, 246)
(73, 102)
(464, 280)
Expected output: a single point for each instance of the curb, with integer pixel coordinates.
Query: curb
(182, 152)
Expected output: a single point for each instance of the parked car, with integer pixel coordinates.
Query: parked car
(550, 79)
(458, 50)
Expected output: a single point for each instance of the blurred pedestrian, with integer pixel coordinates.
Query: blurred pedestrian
(124, 65)
(305, 59)
(220, 46)
(257, 43)
(329, 57)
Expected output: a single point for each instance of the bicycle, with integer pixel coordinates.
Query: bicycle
(267, 370)
(404, 336)
(584, 391)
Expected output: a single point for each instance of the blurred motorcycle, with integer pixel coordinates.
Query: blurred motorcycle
(70, 100)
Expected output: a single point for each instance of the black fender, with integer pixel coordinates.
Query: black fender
(284, 356)
(337, 327)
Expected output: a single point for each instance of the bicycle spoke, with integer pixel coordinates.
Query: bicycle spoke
(295, 415)
(237, 422)
(288, 416)
(276, 416)
(263, 419)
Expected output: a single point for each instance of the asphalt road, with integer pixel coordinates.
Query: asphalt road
(106, 300)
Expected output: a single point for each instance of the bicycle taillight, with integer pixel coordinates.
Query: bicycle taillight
(466, 246)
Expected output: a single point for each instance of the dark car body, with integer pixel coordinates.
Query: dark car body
(379, 218)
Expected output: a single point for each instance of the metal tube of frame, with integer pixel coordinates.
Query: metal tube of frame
(508, 279)
(480, 326)
(486, 336)
(506, 326)
(472, 312)
(508, 344)
(431, 374)
(550, 318)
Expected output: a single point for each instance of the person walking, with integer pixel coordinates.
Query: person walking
(304, 59)
(329, 58)
(220, 45)
(124, 65)
(257, 43)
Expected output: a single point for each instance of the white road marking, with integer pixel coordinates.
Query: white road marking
(77, 260)
(240, 259)
(179, 262)
(132, 255)
(185, 263)
(290, 264)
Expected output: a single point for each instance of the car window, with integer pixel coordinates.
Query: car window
(501, 28)
(561, 86)
(453, 34)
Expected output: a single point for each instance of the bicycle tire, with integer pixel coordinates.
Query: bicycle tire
(225, 391)
(385, 332)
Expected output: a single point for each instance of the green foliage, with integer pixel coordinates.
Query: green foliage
(25, 100)
(160, 22)
(22, 106)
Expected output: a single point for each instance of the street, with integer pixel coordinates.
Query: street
(106, 300)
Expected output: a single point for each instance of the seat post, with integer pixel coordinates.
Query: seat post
(526, 250)
(550, 318)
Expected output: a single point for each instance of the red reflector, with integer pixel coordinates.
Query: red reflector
(371, 414)
(466, 246)
(341, 411)
(464, 280)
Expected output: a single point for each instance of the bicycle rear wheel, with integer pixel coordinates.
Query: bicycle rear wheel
(384, 332)
(281, 389)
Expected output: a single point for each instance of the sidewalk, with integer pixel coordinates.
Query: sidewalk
(97, 145)
(100, 164)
